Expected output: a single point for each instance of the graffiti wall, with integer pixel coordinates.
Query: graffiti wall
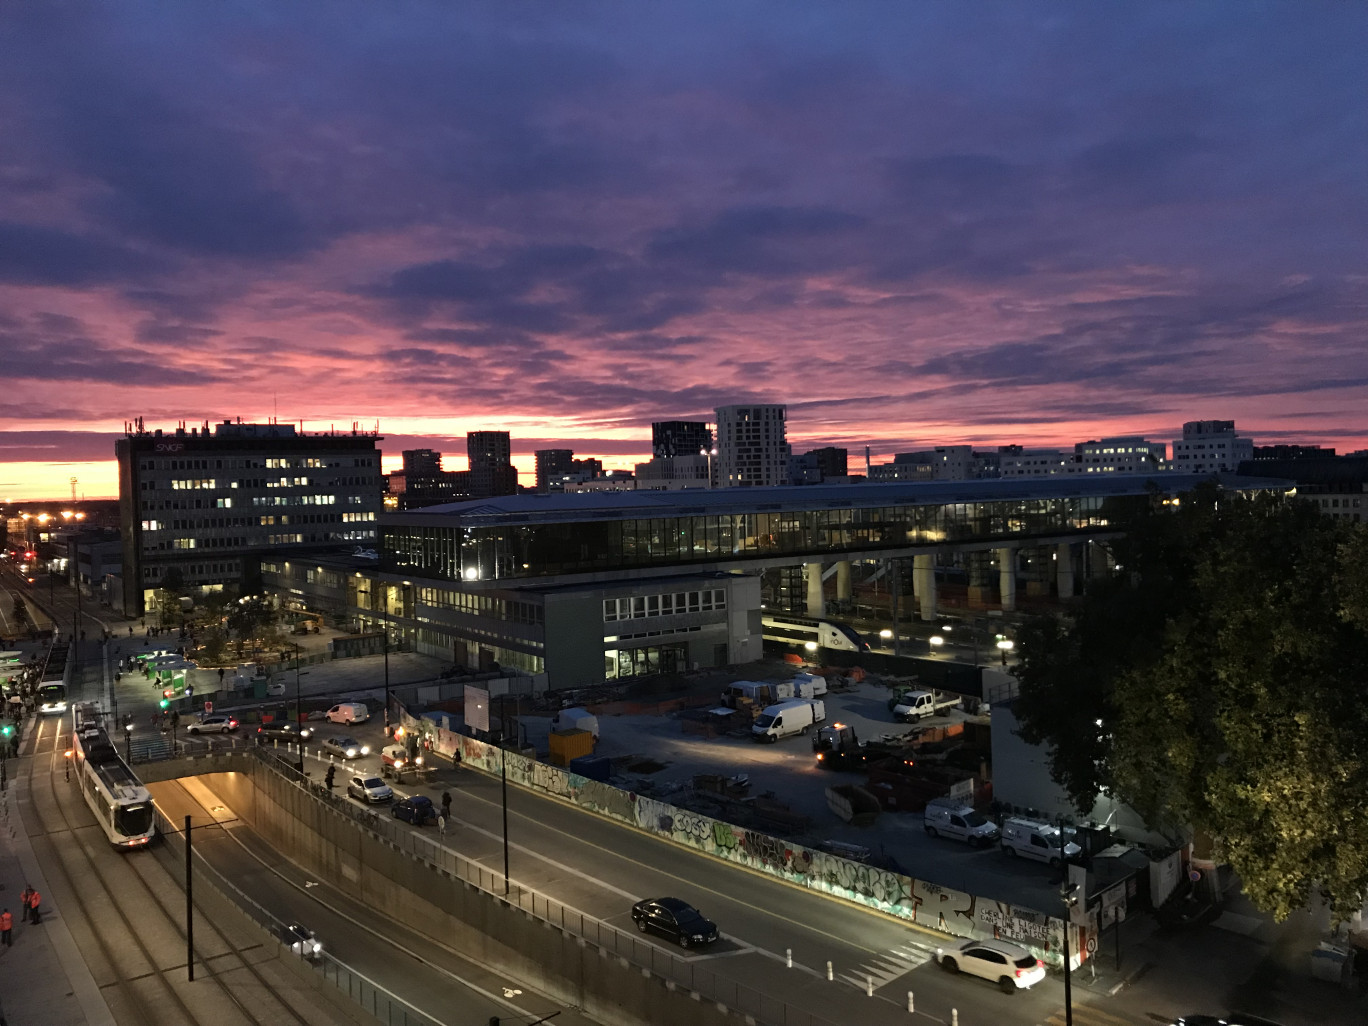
(921, 902)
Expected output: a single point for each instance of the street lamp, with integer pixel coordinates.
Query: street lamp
(1068, 893)
(935, 641)
(299, 710)
(1005, 645)
(128, 741)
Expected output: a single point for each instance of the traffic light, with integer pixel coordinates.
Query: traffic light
(165, 703)
(7, 730)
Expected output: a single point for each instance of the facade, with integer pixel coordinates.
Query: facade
(945, 463)
(1019, 462)
(1120, 456)
(1337, 485)
(423, 482)
(1210, 447)
(669, 473)
(553, 463)
(491, 464)
(680, 438)
(601, 586)
(752, 448)
(422, 462)
(211, 504)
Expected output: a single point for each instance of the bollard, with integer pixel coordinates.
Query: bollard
(954, 1017)
(830, 974)
(869, 986)
(788, 957)
(911, 1005)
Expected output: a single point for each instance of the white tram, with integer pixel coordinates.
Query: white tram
(122, 806)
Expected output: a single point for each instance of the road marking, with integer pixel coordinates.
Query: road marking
(1087, 1015)
(889, 966)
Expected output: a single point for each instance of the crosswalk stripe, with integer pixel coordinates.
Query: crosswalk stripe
(888, 966)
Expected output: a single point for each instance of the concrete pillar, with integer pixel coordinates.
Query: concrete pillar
(924, 584)
(843, 589)
(1007, 581)
(1064, 571)
(816, 604)
(1099, 562)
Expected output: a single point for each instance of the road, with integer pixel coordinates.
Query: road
(601, 869)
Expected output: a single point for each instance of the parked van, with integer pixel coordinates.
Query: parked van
(348, 712)
(952, 818)
(1032, 840)
(795, 716)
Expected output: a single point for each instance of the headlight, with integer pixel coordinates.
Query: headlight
(365, 749)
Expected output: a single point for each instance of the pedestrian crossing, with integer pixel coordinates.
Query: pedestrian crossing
(887, 967)
(1087, 1015)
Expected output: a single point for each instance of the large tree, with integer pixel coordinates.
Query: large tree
(1217, 681)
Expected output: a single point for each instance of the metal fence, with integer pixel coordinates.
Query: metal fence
(375, 999)
(635, 950)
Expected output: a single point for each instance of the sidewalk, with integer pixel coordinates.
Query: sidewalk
(45, 979)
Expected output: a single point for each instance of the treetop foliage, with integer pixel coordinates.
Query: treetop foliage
(1225, 662)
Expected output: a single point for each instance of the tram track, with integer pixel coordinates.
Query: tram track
(128, 904)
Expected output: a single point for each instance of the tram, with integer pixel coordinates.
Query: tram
(799, 631)
(122, 806)
(52, 689)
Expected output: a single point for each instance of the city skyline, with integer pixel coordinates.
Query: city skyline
(913, 227)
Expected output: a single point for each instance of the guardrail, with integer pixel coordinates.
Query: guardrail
(630, 947)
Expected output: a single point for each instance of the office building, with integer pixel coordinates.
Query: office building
(1210, 447)
(422, 462)
(552, 463)
(423, 482)
(491, 467)
(1127, 455)
(211, 504)
(672, 473)
(752, 448)
(680, 438)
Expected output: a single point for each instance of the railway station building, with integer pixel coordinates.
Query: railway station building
(579, 588)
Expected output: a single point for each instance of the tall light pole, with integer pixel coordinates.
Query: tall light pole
(1068, 893)
(299, 711)
(385, 636)
(503, 773)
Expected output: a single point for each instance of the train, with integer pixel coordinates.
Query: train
(802, 631)
(52, 689)
(121, 804)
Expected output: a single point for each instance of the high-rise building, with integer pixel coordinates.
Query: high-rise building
(212, 505)
(680, 438)
(422, 462)
(553, 463)
(1210, 446)
(491, 464)
(752, 450)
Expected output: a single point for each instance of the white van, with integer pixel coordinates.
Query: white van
(1032, 840)
(952, 818)
(787, 718)
(348, 712)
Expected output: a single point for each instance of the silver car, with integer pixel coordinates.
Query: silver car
(369, 789)
(346, 747)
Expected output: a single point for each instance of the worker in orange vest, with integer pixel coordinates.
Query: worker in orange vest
(34, 899)
(6, 928)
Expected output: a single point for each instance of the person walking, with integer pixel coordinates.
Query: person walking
(446, 804)
(441, 826)
(24, 901)
(6, 929)
(35, 916)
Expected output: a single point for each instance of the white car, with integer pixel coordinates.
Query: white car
(1011, 967)
(302, 942)
(346, 747)
(369, 789)
(213, 725)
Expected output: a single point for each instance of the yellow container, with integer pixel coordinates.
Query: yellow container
(570, 744)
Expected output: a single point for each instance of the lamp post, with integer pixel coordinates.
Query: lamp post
(385, 635)
(128, 741)
(503, 774)
(1005, 645)
(1068, 893)
(299, 709)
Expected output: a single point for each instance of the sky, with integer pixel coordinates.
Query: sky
(914, 224)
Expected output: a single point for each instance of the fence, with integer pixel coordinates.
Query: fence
(373, 998)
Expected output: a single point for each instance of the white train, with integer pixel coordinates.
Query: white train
(799, 631)
(122, 806)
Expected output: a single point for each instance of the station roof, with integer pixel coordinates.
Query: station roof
(581, 506)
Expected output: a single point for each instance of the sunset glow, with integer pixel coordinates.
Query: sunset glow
(913, 224)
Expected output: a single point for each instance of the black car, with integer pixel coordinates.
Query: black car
(676, 919)
(1233, 1019)
(284, 730)
(416, 809)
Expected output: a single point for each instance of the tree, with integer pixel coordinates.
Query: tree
(1216, 682)
(168, 595)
